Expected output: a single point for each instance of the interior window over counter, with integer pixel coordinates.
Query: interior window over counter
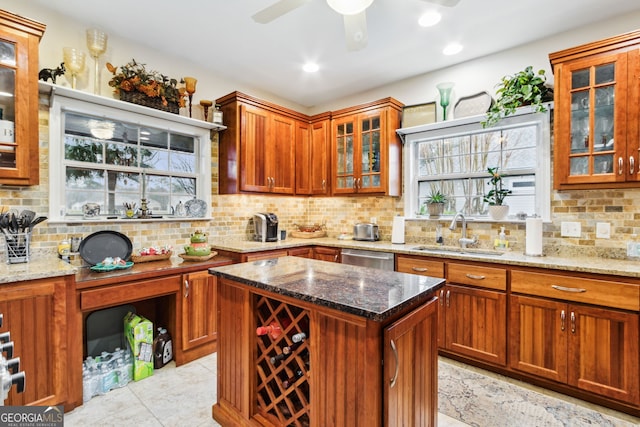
(454, 157)
(113, 159)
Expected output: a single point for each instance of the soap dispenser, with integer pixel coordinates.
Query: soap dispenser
(501, 242)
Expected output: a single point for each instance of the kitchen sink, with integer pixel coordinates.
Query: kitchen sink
(456, 250)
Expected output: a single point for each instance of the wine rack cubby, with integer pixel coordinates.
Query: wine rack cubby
(282, 365)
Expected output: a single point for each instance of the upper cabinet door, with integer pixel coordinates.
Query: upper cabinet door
(19, 40)
(596, 114)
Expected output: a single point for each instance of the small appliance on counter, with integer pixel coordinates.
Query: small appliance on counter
(266, 227)
(366, 231)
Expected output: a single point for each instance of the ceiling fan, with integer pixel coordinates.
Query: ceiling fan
(353, 11)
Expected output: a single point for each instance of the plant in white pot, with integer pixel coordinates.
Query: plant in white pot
(495, 197)
(435, 203)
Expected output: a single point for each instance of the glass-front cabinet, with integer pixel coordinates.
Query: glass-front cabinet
(596, 114)
(366, 150)
(19, 40)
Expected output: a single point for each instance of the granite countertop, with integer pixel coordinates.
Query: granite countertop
(38, 268)
(365, 292)
(615, 267)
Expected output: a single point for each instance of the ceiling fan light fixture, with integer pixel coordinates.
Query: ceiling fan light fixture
(349, 7)
(310, 67)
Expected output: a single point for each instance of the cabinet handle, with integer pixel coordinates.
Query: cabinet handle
(448, 298)
(324, 184)
(475, 276)
(441, 297)
(186, 289)
(420, 269)
(620, 165)
(573, 322)
(567, 289)
(562, 319)
(395, 374)
(335, 258)
(632, 165)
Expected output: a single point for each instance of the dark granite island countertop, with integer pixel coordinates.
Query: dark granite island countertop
(373, 294)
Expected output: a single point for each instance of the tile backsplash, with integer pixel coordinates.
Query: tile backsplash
(233, 215)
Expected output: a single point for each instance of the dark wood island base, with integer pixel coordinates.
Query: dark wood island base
(368, 356)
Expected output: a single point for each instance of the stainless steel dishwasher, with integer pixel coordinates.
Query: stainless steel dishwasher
(372, 259)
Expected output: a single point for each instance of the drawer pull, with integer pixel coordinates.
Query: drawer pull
(420, 269)
(567, 289)
(475, 276)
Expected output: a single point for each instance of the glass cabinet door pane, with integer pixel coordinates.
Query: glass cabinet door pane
(605, 74)
(579, 165)
(580, 122)
(580, 78)
(603, 121)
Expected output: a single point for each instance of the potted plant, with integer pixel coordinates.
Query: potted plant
(495, 197)
(523, 88)
(435, 203)
(134, 83)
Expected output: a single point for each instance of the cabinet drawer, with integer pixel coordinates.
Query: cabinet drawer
(257, 256)
(109, 296)
(474, 275)
(419, 266)
(578, 289)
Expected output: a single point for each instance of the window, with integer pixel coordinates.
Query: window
(453, 158)
(112, 157)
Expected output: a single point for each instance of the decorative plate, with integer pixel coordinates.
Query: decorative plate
(111, 267)
(102, 244)
(472, 105)
(196, 208)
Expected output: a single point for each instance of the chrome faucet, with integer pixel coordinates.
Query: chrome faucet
(464, 241)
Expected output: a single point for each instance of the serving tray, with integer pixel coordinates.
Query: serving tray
(111, 267)
(198, 257)
(102, 244)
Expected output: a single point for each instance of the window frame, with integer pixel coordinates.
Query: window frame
(135, 115)
(469, 125)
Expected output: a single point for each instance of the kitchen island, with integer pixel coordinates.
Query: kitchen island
(368, 356)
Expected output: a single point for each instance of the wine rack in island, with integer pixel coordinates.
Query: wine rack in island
(282, 361)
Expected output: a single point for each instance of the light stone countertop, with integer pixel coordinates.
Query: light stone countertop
(616, 267)
(40, 267)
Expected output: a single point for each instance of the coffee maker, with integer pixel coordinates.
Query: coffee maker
(266, 227)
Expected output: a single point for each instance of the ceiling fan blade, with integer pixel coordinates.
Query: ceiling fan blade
(355, 30)
(447, 3)
(277, 9)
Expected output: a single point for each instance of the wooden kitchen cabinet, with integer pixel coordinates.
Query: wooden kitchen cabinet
(594, 349)
(411, 395)
(366, 151)
(35, 315)
(419, 265)
(19, 44)
(257, 150)
(597, 129)
(324, 253)
(473, 313)
(199, 328)
(312, 156)
(304, 252)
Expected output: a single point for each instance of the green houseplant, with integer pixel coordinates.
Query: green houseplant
(495, 197)
(435, 203)
(525, 87)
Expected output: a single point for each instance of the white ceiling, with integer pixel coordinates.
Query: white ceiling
(221, 36)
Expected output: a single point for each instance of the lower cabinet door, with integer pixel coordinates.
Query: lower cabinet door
(411, 368)
(476, 323)
(603, 352)
(199, 309)
(538, 343)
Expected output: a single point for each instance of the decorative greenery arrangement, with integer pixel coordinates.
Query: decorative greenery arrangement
(523, 88)
(134, 76)
(495, 197)
(436, 197)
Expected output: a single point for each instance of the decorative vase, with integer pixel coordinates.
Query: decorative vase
(445, 96)
(435, 209)
(498, 212)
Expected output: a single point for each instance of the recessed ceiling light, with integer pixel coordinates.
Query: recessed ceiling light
(310, 67)
(452, 49)
(429, 19)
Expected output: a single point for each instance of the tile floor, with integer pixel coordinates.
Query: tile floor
(182, 396)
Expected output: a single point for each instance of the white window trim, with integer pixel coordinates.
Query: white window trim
(63, 100)
(451, 128)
